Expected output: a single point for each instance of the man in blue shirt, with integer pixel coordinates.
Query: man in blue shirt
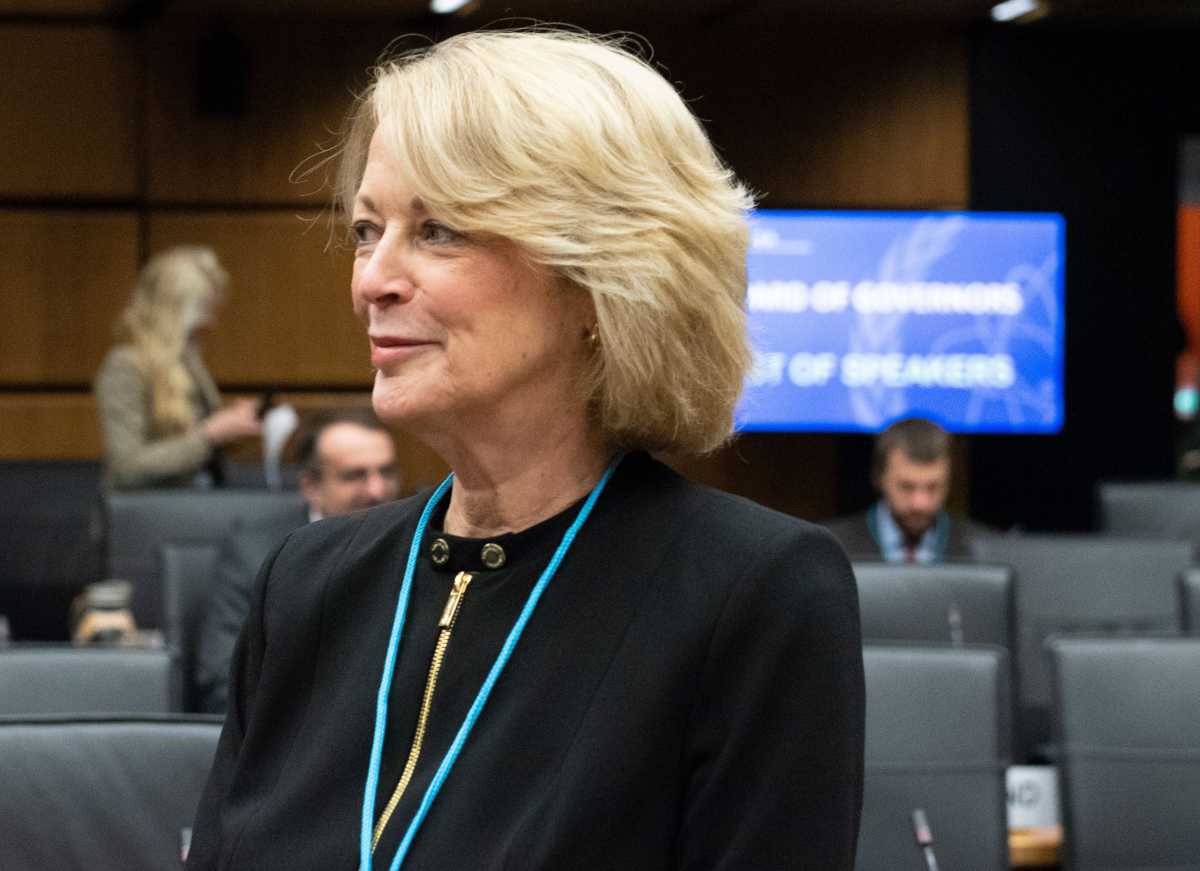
(909, 522)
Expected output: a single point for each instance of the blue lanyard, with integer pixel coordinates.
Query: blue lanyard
(464, 731)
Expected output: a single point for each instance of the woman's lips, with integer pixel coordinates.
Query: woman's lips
(392, 349)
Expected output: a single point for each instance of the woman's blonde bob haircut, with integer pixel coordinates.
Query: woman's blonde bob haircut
(581, 153)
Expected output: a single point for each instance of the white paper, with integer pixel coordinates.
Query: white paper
(1032, 796)
(277, 426)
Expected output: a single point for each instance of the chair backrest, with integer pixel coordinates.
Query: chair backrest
(106, 795)
(948, 603)
(1189, 601)
(1150, 509)
(937, 739)
(243, 475)
(140, 522)
(188, 571)
(1081, 584)
(1128, 727)
(39, 680)
(49, 542)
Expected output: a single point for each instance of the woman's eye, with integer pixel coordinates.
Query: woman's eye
(438, 233)
(363, 232)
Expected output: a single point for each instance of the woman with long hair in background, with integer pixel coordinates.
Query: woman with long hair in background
(160, 412)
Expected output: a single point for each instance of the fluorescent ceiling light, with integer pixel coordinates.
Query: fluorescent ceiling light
(446, 7)
(1011, 10)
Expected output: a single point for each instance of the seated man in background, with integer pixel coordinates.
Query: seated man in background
(348, 462)
(910, 467)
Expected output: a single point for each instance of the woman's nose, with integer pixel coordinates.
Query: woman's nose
(382, 276)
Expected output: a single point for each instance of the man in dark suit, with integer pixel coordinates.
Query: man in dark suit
(348, 462)
(909, 523)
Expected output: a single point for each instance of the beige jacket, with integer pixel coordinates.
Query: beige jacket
(135, 453)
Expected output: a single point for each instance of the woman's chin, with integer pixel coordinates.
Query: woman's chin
(398, 404)
(388, 401)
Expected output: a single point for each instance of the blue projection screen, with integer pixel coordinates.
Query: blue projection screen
(860, 318)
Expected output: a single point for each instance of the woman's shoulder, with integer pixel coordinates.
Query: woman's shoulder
(722, 560)
(121, 380)
(122, 358)
(749, 522)
(121, 354)
(737, 527)
(712, 541)
(332, 549)
(770, 544)
(358, 530)
(337, 542)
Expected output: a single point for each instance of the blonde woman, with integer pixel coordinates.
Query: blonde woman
(159, 409)
(566, 657)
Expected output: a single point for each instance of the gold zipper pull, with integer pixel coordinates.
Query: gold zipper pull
(461, 581)
(458, 589)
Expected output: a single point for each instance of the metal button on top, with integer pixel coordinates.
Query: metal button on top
(493, 555)
(439, 552)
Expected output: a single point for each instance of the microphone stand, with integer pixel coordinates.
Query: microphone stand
(924, 838)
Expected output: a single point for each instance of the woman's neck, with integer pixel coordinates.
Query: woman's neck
(507, 488)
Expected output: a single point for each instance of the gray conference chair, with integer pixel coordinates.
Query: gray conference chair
(948, 603)
(1150, 509)
(937, 740)
(241, 475)
(49, 542)
(1080, 584)
(1128, 726)
(188, 572)
(140, 522)
(105, 795)
(1189, 601)
(39, 680)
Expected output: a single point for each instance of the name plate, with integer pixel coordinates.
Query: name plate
(1032, 796)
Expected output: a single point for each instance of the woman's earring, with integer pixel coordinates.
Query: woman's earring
(593, 337)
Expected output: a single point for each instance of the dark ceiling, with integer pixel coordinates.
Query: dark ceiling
(1101, 12)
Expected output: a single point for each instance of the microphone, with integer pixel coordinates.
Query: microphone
(954, 619)
(924, 838)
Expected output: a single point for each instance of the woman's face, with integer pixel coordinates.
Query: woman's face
(199, 312)
(462, 329)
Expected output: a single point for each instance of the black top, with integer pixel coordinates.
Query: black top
(688, 694)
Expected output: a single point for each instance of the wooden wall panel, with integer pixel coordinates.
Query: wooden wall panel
(821, 115)
(808, 113)
(794, 474)
(294, 84)
(66, 276)
(288, 319)
(789, 473)
(817, 114)
(48, 426)
(68, 112)
(63, 426)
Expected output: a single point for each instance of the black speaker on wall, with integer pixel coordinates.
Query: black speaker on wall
(222, 73)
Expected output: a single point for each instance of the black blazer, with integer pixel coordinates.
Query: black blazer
(854, 533)
(688, 694)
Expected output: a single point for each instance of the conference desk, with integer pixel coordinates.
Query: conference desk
(1035, 848)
